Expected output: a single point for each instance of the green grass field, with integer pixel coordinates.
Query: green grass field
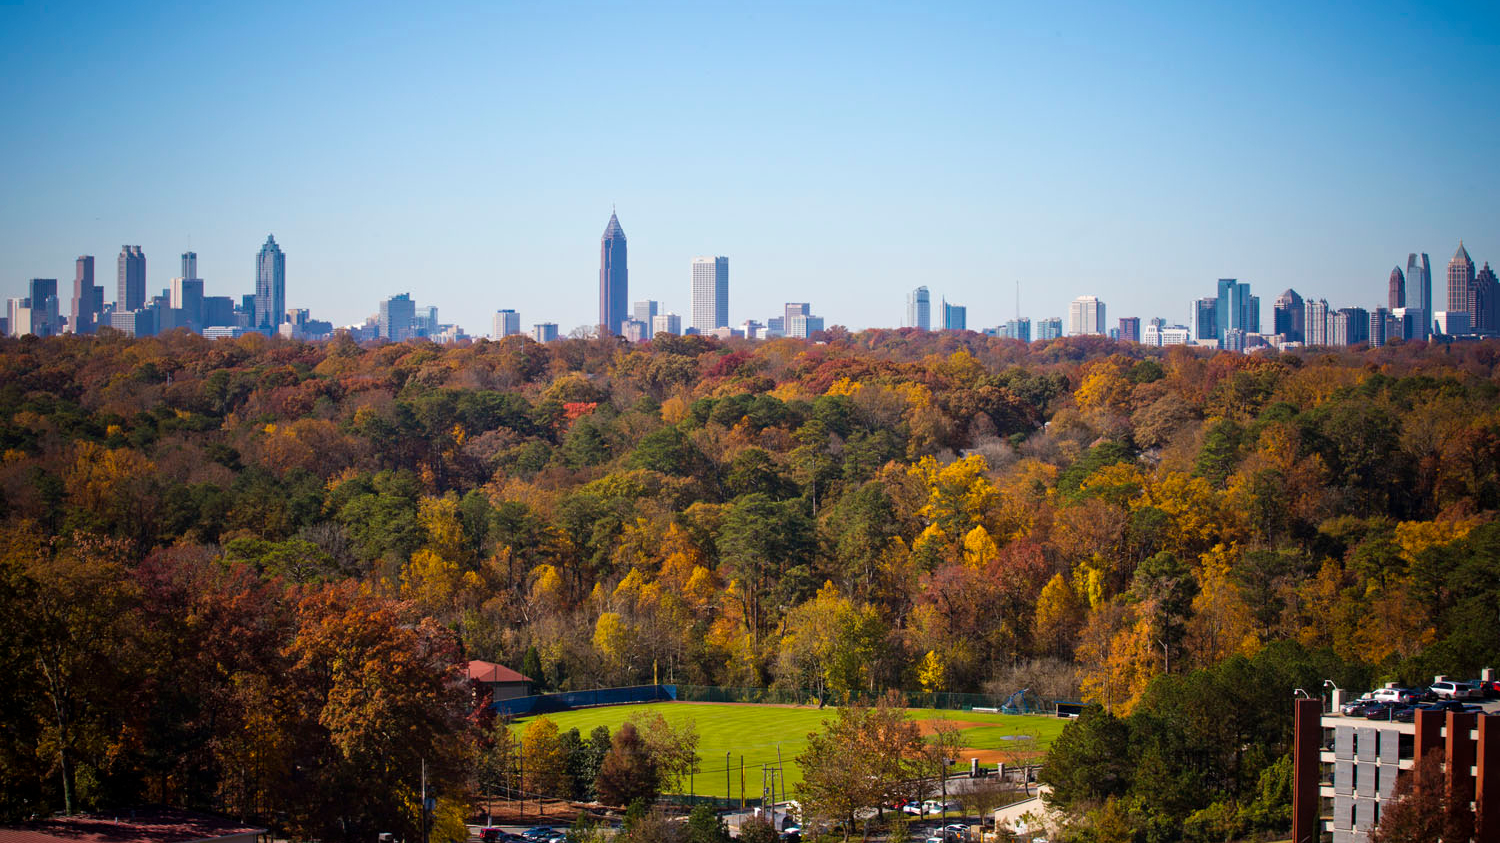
(753, 733)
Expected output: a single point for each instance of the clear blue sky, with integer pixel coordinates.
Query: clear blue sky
(837, 153)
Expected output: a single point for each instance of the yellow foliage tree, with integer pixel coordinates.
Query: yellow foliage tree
(1059, 614)
(1222, 624)
(959, 495)
(932, 673)
(546, 768)
(444, 530)
(979, 548)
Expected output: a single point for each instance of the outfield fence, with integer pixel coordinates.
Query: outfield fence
(1015, 704)
(569, 700)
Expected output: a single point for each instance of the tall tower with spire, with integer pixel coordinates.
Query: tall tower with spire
(1461, 283)
(614, 278)
(1398, 289)
(270, 285)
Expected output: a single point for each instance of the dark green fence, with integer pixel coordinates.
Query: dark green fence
(1015, 704)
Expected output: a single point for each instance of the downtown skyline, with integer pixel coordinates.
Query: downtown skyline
(873, 153)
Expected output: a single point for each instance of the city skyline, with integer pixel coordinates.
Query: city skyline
(949, 147)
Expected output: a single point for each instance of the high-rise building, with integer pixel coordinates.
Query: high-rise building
(1237, 308)
(710, 293)
(1017, 329)
(776, 326)
(1397, 296)
(507, 323)
(795, 308)
(46, 309)
(270, 285)
(634, 330)
(614, 277)
(189, 264)
(1419, 291)
(644, 311)
(187, 296)
(803, 326)
(955, 317)
(918, 309)
(218, 311)
(425, 321)
(1130, 328)
(1315, 322)
(88, 299)
(132, 279)
(397, 315)
(666, 323)
(1085, 316)
(1382, 327)
(1206, 319)
(545, 331)
(1485, 315)
(1289, 317)
(1349, 326)
(1049, 329)
(1461, 286)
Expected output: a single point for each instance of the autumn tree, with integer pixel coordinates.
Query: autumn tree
(628, 772)
(544, 759)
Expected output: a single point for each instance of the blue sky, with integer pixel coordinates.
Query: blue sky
(837, 153)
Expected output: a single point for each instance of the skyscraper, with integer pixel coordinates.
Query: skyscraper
(710, 293)
(187, 296)
(132, 279)
(189, 264)
(1419, 292)
(803, 325)
(644, 311)
(544, 331)
(1461, 284)
(1398, 289)
(1206, 319)
(1049, 328)
(1485, 318)
(506, 323)
(918, 309)
(794, 308)
(956, 317)
(1085, 316)
(270, 285)
(614, 278)
(1288, 317)
(1316, 322)
(1237, 309)
(397, 315)
(1130, 328)
(666, 323)
(88, 299)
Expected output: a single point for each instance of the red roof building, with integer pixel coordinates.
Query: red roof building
(504, 683)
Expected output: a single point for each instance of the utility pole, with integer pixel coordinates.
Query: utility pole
(728, 794)
(424, 801)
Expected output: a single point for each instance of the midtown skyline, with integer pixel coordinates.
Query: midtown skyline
(951, 147)
(708, 295)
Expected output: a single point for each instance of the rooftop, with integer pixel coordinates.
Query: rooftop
(155, 826)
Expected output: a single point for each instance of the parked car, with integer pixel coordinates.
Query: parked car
(937, 806)
(1405, 714)
(1379, 710)
(1405, 696)
(913, 808)
(1356, 708)
(1450, 690)
(544, 834)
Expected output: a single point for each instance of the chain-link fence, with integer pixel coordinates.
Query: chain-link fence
(1017, 703)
